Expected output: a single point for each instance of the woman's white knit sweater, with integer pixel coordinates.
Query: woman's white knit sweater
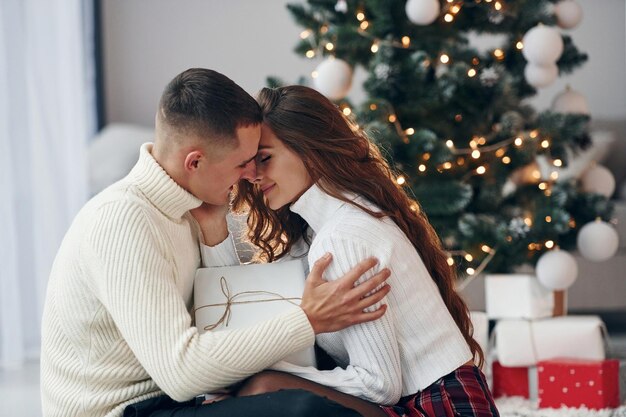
(117, 327)
(415, 343)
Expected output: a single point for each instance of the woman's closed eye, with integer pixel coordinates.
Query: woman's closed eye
(263, 158)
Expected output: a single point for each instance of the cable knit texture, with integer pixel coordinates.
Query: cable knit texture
(117, 327)
(415, 343)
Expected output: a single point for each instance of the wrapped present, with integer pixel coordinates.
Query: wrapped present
(512, 296)
(510, 381)
(233, 297)
(526, 342)
(578, 383)
(622, 381)
(480, 323)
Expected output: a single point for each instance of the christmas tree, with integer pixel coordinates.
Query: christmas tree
(482, 163)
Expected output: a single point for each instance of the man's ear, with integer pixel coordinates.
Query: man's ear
(193, 160)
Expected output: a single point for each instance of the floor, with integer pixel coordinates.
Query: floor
(19, 393)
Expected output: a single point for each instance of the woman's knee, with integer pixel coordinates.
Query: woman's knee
(266, 381)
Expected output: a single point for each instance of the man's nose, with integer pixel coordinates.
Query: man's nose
(250, 171)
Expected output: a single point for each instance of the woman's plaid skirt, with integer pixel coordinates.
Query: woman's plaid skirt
(462, 393)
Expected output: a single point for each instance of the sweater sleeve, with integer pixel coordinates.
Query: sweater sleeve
(132, 268)
(374, 372)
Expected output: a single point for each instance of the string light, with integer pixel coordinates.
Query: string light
(470, 271)
(314, 74)
(549, 244)
(518, 141)
(447, 165)
(401, 180)
(449, 143)
(374, 47)
(528, 221)
(482, 140)
(409, 131)
(426, 156)
(347, 111)
(519, 45)
(448, 17)
(310, 53)
(545, 143)
(469, 257)
(499, 54)
(554, 175)
(444, 58)
(485, 248)
(506, 160)
(364, 25)
(406, 41)
(471, 72)
(481, 170)
(329, 46)
(392, 118)
(450, 261)
(305, 34)
(557, 163)
(548, 219)
(360, 16)
(422, 168)
(543, 186)
(475, 154)
(373, 107)
(498, 6)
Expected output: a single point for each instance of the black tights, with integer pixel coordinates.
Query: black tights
(287, 403)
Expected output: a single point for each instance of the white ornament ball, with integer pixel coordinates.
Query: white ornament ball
(334, 78)
(341, 6)
(557, 270)
(568, 14)
(540, 76)
(599, 180)
(543, 45)
(422, 12)
(570, 101)
(597, 241)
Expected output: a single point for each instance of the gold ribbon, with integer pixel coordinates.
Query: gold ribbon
(230, 301)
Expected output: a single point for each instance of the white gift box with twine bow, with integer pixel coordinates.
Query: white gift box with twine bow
(234, 297)
(512, 296)
(526, 342)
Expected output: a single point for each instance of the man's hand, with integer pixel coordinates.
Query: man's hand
(212, 221)
(332, 306)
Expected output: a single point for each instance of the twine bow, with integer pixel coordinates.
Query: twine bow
(230, 301)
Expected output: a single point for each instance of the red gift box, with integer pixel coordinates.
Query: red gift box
(578, 383)
(510, 381)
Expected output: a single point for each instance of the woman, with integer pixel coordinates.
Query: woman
(320, 182)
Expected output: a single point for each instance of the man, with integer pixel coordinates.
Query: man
(117, 328)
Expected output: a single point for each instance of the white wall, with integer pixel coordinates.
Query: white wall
(147, 42)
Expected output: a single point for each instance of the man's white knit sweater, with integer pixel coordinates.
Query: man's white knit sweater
(117, 327)
(415, 343)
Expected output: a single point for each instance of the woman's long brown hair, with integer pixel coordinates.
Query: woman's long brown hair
(340, 158)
